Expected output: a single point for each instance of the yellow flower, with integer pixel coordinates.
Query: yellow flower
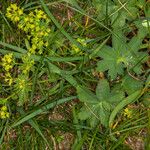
(20, 12)
(14, 12)
(14, 6)
(26, 19)
(21, 83)
(82, 41)
(2, 115)
(48, 30)
(7, 114)
(8, 78)
(39, 13)
(16, 18)
(3, 112)
(3, 108)
(7, 58)
(32, 26)
(75, 48)
(7, 62)
(35, 24)
(127, 113)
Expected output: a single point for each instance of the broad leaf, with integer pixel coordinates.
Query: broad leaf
(102, 90)
(130, 85)
(112, 61)
(122, 55)
(103, 102)
(86, 95)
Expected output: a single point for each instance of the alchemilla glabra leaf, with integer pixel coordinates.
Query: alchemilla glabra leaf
(122, 55)
(97, 108)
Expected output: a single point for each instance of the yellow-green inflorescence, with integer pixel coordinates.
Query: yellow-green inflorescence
(7, 64)
(4, 112)
(127, 113)
(14, 13)
(75, 49)
(35, 25)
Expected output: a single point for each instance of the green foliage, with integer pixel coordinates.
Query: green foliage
(130, 85)
(122, 55)
(97, 107)
(74, 67)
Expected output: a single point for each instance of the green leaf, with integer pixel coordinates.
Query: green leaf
(146, 23)
(89, 113)
(116, 97)
(104, 112)
(130, 85)
(99, 110)
(3, 101)
(131, 98)
(84, 114)
(146, 100)
(112, 61)
(86, 95)
(123, 54)
(102, 90)
(118, 40)
(95, 113)
(148, 81)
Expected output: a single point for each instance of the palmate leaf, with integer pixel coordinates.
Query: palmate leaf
(86, 95)
(122, 55)
(97, 107)
(94, 114)
(102, 90)
(130, 85)
(112, 61)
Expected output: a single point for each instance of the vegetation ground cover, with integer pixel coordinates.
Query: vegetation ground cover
(74, 74)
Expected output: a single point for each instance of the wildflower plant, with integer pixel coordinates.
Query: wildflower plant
(7, 64)
(76, 50)
(4, 112)
(35, 26)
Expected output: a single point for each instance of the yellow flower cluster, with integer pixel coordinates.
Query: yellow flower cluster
(77, 49)
(7, 64)
(21, 83)
(27, 64)
(127, 112)
(35, 24)
(4, 113)
(14, 12)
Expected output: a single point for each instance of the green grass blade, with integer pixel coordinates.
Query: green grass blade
(36, 57)
(43, 109)
(18, 49)
(131, 98)
(60, 27)
(98, 48)
(34, 125)
(3, 134)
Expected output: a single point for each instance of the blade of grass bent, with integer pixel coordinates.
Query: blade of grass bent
(43, 109)
(131, 98)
